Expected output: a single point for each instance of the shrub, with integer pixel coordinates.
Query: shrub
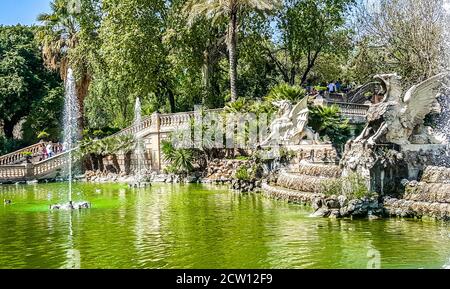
(286, 92)
(9, 145)
(328, 122)
(242, 173)
(352, 186)
(181, 161)
(27, 154)
(43, 135)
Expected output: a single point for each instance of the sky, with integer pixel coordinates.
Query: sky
(22, 11)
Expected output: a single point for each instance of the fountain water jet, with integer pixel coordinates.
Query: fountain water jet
(140, 167)
(71, 134)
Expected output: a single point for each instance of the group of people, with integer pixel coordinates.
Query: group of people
(338, 86)
(48, 150)
(335, 86)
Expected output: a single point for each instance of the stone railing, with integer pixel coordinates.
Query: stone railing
(13, 172)
(351, 109)
(49, 165)
(18, 157)
(31, 171)
(176, 119)
(131, 130)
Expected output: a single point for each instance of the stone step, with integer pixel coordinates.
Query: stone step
(289, 195)
(427, 192)
(303, 183)
(316, 170)
(436, 175)
(408, 208)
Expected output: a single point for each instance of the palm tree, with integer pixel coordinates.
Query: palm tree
(216, 9)
(59, 35)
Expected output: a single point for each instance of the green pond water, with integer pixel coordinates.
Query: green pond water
(197, 226)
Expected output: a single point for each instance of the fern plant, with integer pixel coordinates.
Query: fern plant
(285, 91)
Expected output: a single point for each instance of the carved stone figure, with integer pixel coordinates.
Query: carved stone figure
(396, 144)
(290, 127)
(398, 118)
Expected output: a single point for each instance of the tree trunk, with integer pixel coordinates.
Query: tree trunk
(206, 69)
(171, 100)
(88, 164)
(232, 30)
(94, 160)
(101, 165)
(8, 128)
(311, 63)
(82, 87)
(292, 76)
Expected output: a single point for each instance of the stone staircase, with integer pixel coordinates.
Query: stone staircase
(429, 197)
(305, 186)
(14, 167)
(309, 186)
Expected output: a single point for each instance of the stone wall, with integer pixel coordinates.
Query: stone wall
(302, 183)
(429, 197)
(223, 169)
(436, 175)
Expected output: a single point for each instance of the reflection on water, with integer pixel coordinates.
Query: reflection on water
(199, 226)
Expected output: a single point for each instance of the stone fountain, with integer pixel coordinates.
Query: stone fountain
(396, 144)
(398, 162)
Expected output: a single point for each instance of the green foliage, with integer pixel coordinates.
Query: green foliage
(231, 11)
(286, 155)
(99, 133)
(27, 154)
(310, 28)
(246, 172)
(43, 135)
(25, 84)
(181, 161)
(243, 158)
(9, 145)
(352, 186)
(328, 122)
(285, 91)
(242, 173)
(45, 116)
(106, 146)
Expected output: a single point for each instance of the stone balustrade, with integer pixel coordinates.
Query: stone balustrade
(13, 172)
(49, 165)
(155, 124)
(18, 157)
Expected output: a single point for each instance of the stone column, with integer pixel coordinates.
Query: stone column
(155, 138)
(29, 171)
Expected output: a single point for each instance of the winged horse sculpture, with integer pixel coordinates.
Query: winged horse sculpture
(291, 125)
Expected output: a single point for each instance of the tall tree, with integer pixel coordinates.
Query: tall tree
(59, 36)
(409, 32)
(308, 28)
(229, 9)
(24, 81)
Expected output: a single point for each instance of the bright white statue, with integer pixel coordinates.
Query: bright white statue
(399, 118)
(290, 127)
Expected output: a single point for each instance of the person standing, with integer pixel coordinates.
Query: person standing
(338, 86)
(44, 154)
(331, 87)
(50, 150)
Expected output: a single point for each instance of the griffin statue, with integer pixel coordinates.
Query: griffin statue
(398, 118)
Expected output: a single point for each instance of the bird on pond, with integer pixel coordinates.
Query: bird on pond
(7, 202)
